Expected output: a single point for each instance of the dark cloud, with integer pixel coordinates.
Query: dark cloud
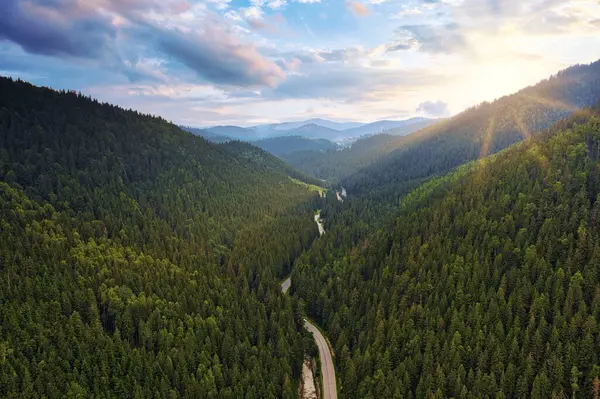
(218, 56)
(86, 29)
(47, 28)
(82, 29)
(434, 108)
(432, 38)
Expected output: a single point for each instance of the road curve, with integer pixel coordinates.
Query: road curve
(285, 286)
(327, 369)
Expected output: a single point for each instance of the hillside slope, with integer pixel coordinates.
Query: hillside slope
(334, 164)
(398, 128)
(207, 135)
(286, 145)
(483, 130)
(486, 285)
(140, 260)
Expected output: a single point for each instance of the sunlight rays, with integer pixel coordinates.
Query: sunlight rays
(550, 102)
(489, 136)
(522, 127)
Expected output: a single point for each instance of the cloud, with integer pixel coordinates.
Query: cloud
(434, 108)
(274, 24)
(41, 29)
(252, 13)
(347, 55)
(277, 4)
(292, 65)
(539, 17)
(102, 30)
(218, 56)
(220, 4)
(401, 45)
(407, 12)
(351, 82)
(343, 54)
(357, 8)
(431, 38)
(247, 52)
(145, 70)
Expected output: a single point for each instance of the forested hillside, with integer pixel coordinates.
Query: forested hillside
(394, 128)
(252, 155)
(207, 135)
(286, 145)
(482, 130)
(334, 164)
(141, 261)
(486, 284)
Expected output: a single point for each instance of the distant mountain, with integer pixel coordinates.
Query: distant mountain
(385, 126)
(315, 121)
(235, 132)
(207, 134)
(314, 131)
(285, 145)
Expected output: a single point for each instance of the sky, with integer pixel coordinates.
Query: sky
(247, 62)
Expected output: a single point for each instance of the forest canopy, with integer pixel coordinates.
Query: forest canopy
(139, 260)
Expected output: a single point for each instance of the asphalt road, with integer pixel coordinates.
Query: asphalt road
(327, 369)
(285, 286)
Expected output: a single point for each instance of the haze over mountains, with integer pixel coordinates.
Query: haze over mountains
(316, 129)
(476, 132)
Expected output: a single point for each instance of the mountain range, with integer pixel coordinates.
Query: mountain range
(316, 121)
(313, 129)
(376, 162)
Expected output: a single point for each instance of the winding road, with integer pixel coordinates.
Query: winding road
(327, 369)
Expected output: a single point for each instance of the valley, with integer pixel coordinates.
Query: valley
(241, 255)
(328, 378)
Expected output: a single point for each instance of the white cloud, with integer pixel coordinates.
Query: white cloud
(220, 4)
(407, 12)
(253, 12)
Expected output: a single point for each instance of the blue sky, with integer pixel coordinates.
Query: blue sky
(246, 62)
